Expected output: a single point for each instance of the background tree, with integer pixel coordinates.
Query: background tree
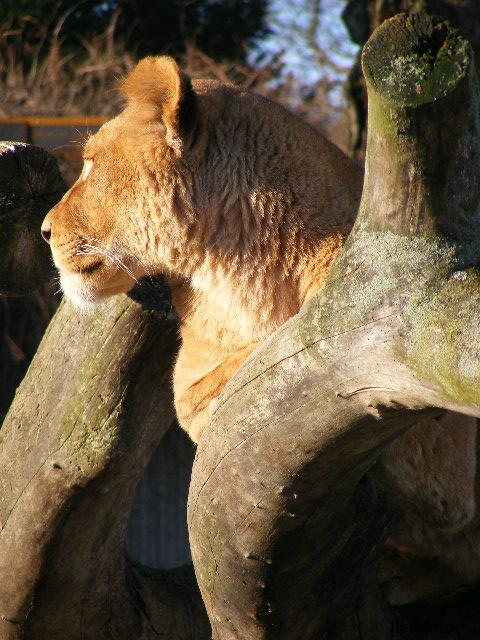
(223, 29)
(310, 51)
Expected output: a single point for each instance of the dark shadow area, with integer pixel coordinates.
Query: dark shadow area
(157, 531)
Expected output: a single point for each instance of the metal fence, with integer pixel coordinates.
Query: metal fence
(157, 531)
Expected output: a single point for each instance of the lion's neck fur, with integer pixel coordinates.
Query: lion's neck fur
(252, 231)
(246, 277)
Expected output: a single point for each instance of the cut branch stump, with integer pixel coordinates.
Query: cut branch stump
(30, 185)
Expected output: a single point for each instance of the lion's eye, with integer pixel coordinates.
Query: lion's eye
(87, 167)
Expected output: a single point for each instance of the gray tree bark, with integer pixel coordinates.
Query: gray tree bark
(93, 407)
(284, 530)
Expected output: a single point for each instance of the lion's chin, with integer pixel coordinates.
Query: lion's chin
(80, 293)
(86, 294)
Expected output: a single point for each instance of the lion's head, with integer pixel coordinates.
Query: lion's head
(101, 231)
(208, 183)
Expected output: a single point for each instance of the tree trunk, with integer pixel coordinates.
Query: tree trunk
(92, 409)
(285, 530)
(362, 17)
(30, 184)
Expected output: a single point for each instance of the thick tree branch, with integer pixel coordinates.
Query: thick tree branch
(284, 528)
(423, 163)
(91, 410)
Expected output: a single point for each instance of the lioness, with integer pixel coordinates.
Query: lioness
(243, 207)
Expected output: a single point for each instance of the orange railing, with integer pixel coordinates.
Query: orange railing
(27, 126)
(64, 137)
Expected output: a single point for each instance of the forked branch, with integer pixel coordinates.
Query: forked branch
(283, 528)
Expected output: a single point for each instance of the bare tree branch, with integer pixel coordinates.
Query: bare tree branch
(77, 438)
(285, 528)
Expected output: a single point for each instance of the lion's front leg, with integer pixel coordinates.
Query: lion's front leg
(201, 372)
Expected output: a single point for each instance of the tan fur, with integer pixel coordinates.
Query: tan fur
(157, 87)
(240, 204)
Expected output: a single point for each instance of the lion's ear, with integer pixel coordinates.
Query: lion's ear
(157, 88)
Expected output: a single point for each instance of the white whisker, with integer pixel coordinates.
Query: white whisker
(143, 264)
(89, 249)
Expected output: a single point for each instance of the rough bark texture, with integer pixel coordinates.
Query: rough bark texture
(362, 17)
(92, 409)
(30, 184)
(284, 529)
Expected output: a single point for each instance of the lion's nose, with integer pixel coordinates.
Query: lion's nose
(46, 231)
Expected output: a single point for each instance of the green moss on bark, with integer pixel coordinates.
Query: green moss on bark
(442, 340)
(422, 63)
